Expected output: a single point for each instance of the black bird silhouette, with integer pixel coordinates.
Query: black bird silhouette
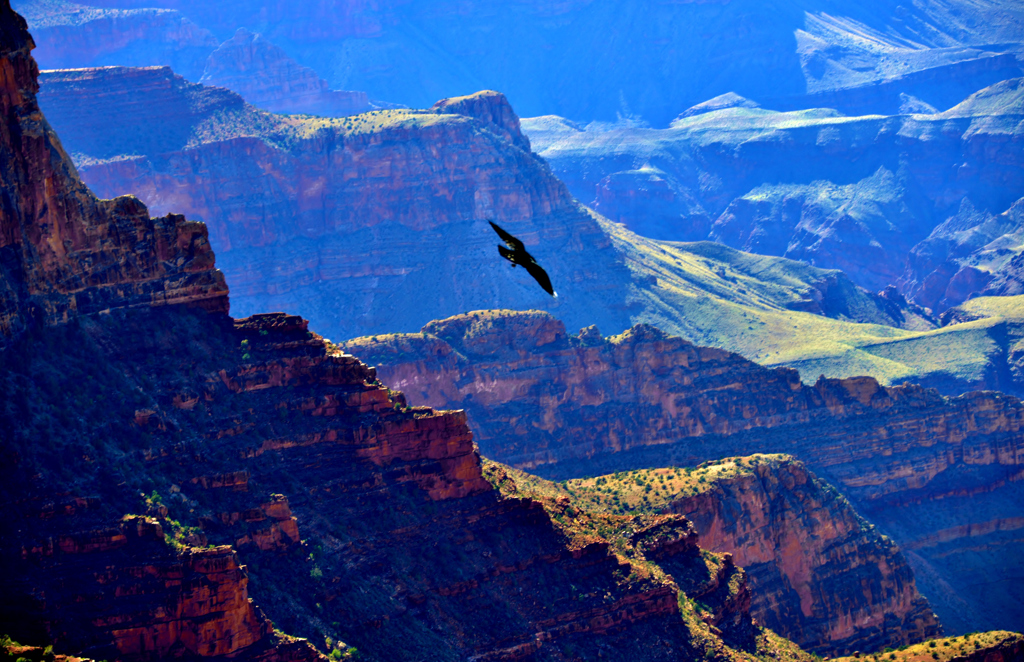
(516, 254)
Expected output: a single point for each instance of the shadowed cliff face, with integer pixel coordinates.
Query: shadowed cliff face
(142, 447)
(911, 461)
(63, 251)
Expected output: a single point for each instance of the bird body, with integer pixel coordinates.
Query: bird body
(515, 252)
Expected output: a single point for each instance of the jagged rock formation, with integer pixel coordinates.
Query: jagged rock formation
(267, 78)
(911, 461)
(65, 253)
(130, 439)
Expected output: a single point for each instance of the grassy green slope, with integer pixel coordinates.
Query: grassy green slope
(716, 296)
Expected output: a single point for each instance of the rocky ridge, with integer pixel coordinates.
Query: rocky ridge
(818, 573)
(908, 459)
(923, 201)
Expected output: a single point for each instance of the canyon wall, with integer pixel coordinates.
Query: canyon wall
(267, 78)
(923, 200)
(911, 461)
(383, 214)
(65, 252)
(819, 573)
(140, 445)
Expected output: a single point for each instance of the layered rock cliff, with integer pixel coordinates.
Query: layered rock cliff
(383, 214)
(910, 460)
(72, 35)
(916, 199)
(310, 215)
(800, 542)
(65, 253)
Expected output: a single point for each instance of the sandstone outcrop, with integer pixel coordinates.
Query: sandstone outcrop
(910, 460)
(267, 78)
(65, 253)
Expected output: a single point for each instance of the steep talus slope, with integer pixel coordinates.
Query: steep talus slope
(911, 461)
(163, 463)
(861, 194)
(818, 573)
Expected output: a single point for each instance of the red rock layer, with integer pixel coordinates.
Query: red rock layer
(910, 460)
(123, 592)
(803, 547)
(65, 253)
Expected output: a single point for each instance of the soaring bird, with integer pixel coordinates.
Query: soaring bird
(516, 254)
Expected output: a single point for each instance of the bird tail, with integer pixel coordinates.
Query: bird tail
(507, 254)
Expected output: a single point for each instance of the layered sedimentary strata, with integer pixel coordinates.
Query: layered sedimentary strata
(910, 460)
(920, 199)
(382, 214)
(66, 253)
(820, 575)
(71, 35)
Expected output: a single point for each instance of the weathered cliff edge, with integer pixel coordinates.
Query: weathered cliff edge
(818, 573)
(911, 461)
(139, 445)
(62, 251)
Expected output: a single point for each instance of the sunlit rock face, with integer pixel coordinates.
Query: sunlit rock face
(65, 252)
(383, 215)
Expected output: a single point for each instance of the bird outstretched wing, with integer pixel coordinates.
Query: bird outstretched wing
(511, 241)
(540, 276)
